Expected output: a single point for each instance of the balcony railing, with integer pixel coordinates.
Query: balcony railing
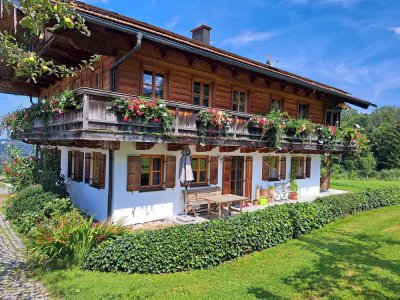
(94, 121)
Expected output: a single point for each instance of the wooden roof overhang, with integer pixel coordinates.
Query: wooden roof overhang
(125, 24)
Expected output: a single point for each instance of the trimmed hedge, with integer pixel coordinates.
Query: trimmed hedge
(209, 244)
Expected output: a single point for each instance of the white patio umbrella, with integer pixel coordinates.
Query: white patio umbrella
(186, 172)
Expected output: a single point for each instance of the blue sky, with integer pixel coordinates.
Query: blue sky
(350, 44)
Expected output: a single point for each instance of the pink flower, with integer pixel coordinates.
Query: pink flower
(155, 120)
(126, 118)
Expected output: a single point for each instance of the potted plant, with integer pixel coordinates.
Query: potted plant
(263, 201)
(271, 192)
(294, 187)
(263, 192)
(256, 202)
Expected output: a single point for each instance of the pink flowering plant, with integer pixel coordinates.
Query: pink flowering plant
(149, 110)
(16, 122)
(213, 121)
(56, 106)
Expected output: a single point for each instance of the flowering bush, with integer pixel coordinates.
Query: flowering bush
(16, 122)
(20, 170)
(56, 106)
(350, 134)
(327, 135)
(150, 110)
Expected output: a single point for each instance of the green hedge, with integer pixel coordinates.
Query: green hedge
(208, 244)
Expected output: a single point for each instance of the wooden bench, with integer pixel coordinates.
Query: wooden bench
(195, 199)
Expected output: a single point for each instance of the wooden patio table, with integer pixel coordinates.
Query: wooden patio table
(224, 199)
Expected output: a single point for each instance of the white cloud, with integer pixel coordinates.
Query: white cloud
(248, 36)
(396, 31)
(172, 23)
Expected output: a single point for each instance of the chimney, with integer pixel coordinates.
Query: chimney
(202, 34)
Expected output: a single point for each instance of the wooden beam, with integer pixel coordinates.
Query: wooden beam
(235, 72)
(144, 145)
(253, 78)
(248, 150)
(214, 67)
(206, 148)
(175, 147)
(190, 60)
(228, 148)
(266, 150)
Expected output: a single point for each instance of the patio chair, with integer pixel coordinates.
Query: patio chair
(285, 190)
(278, 192)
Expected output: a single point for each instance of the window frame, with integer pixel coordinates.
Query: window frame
(198, 171)
(154, 72)
(332, 112)
(281, 102)
(201, 95)
(300, 160)
(151, 171)
(98, 72)
(307, 105)
(240, 90)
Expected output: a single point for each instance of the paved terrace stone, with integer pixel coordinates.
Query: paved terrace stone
(15, 282)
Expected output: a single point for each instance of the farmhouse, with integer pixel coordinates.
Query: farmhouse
(122, 166)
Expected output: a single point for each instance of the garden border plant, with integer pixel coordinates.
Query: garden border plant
(209, 244)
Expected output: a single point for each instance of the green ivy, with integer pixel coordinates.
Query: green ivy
(209, 244)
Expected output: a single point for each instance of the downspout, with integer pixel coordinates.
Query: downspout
(110, 183)
(114, 67)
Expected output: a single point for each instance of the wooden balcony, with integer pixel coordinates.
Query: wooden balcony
(96, 126)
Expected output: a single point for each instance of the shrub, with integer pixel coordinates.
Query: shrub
(32, 205)
(69, 237)
(392, 174)
(208, 244)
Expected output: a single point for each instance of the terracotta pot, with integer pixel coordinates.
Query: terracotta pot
(255, 202)
(293, 196)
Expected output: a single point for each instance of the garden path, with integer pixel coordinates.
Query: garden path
(15, 282)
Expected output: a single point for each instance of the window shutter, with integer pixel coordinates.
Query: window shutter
(265, 169)
(87, 167)
(102, 171)
(249, 177)
(213, 170)
(95, 179)
(170, 171)
(133, 173)
(78, 170)
(69, 174)
(227, 169)
(308, 167)
(282, 173)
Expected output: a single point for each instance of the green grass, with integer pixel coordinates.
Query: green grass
(354, 258)
(361, 185)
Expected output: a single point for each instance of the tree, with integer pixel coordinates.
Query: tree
(385, 144)
(39, 16)
(367, 164)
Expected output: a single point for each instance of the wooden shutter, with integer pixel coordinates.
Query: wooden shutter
(249, 177)
(69, 173)
(308, 167)
(226, 178)
(133, 173)
(265, 168)
(95, 179)
(213, 170)
(170, 171)
(87, 167)
(282, 173)
(102, 171)
(78, 170)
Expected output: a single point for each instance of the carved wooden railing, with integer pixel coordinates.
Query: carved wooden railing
(95, 118)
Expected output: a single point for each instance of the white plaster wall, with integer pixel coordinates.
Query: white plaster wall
(139, 207)
(89, 199)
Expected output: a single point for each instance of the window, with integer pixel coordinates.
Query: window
(151, 171)
(200, 169)
(277, 104)
(201, 93)
(332, 118)
(274, 168)
(153, 84)
(301, 166)
(99, 170)
(239, 99)
(303, 111)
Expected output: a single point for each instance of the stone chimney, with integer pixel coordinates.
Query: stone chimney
(202, 34)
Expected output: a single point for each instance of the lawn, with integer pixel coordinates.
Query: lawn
(354, 258)
(360, 185)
